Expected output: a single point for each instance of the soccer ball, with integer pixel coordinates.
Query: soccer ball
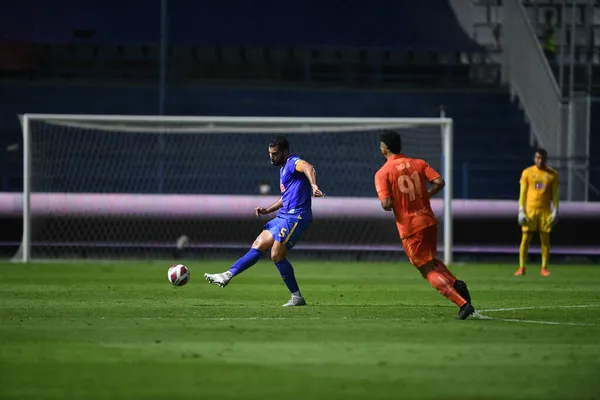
(179, 275)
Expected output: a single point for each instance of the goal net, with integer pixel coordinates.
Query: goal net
(99, 186)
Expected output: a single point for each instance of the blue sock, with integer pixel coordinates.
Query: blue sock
(248, 260)
(287, 273)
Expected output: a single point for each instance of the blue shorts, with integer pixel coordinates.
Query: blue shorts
(287, 230)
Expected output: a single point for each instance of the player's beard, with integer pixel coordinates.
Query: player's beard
(276, 163)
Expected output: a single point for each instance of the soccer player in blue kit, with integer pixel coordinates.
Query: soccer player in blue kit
(298, 183)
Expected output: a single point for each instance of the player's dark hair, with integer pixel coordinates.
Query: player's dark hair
(392, 141)
(280, 142)
(542, 152)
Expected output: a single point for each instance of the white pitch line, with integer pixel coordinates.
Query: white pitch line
(540, 308)
(528, 321)
(275, 319)
(477, 315)
(252, 318)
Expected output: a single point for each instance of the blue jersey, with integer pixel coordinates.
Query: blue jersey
(296, 191)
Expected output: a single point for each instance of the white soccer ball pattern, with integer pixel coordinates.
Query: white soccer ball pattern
(179, 275)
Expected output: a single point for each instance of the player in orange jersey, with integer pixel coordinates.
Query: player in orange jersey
(538, 208)
(401, 186)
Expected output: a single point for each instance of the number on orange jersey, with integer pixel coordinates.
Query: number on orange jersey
(411, 185)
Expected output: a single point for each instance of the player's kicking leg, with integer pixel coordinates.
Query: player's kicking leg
(263, 242)
(280, 234)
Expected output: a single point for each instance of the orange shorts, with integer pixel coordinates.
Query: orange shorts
(421, 247)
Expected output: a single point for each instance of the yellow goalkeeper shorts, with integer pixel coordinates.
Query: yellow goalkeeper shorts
(538, 221)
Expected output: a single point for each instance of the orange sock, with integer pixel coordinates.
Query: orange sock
(443, 285)
(442, 269)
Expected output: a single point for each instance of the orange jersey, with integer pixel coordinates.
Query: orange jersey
(539, 184)
(404, 180)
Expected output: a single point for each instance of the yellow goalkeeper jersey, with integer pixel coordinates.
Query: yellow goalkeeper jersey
(539, 188)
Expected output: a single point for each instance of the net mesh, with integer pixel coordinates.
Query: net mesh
(191, 158)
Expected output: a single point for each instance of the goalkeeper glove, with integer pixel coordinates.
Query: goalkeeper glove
(522, 217)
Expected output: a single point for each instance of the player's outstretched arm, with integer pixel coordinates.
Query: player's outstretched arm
(308, 170)
(436, 186)
(273, 207)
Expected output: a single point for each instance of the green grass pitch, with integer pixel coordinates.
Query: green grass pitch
(370, 331)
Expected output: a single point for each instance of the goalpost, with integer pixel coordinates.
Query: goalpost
(128, 186)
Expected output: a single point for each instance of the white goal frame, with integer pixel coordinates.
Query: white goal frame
(445, 124)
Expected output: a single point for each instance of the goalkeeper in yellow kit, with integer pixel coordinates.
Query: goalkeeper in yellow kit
(538, 208)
